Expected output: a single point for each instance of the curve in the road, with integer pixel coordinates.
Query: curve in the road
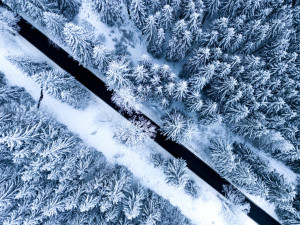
(98, 87)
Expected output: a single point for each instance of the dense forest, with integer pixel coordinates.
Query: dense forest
(240, 68)
(49, 176)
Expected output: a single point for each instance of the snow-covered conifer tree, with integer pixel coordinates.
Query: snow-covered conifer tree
(151, 212)
(194, 101)
(79, 40)
(192, 189)
(180, 43)
(167, 17)
(174, 126)
(181, 90)
(132, 205)
(141, 74)
(236, 198)
(138, 12)
(157, 47)
(223, 157)
(150, 29)
(109, 11)
(176, 173)
(236, 113)
(118, 74)
(55, 23)
(101, 57)
(8, 22)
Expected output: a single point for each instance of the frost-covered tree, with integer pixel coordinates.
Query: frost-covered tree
(176, 172)
(8, 22)
(101, 57)
(174, 125)
(194, 101)
(192, 189)
(236, 198)
(236, 113)
(63, 87)
(138, 12)
(150, 29)
(118, 74)
(79, 40)
(167, 17)
(55, 23)
(157, 47)
(141, 74)
(158, 160)
(280, 191)
(132, 206)
(109, 11)
(181, 90)
(223, 157)
(151, 213)
(180, 43)
(136, 133)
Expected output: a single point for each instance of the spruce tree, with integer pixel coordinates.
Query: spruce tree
(55, 23)
(118, 74)
(175, 171)
(79, 41)
(109, 12)
(138, 12)
(101, 57)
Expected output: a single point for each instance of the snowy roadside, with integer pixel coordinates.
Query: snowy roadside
(96, 126)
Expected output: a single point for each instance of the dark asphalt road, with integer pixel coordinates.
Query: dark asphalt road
(97, 86)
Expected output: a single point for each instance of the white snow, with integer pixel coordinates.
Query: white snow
(96, 125)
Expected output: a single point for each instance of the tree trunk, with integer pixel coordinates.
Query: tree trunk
(41, 98)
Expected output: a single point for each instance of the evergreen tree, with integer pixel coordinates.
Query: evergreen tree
(175, 171)
(194, 23)
(133, 203)
(55, 23)
(174, 126)
(157, 47)
(118, 74)
(101, 57)
(8, 22)
(150, 29)
(191, 188)
(223, 157)
(138, 12)
(79, 41)
(194, 101)
(109, 11)
(236, 113)
(126, 100)
(181, 90)
(180, 43)
(141, 74)
(236, 198)
(151, 212)
(251, 126)
(167, 17)
(63, 87)
(279, 190)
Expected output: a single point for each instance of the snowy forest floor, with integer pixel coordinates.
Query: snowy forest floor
(97, 124)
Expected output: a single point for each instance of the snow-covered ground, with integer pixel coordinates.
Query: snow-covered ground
(96, 126)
